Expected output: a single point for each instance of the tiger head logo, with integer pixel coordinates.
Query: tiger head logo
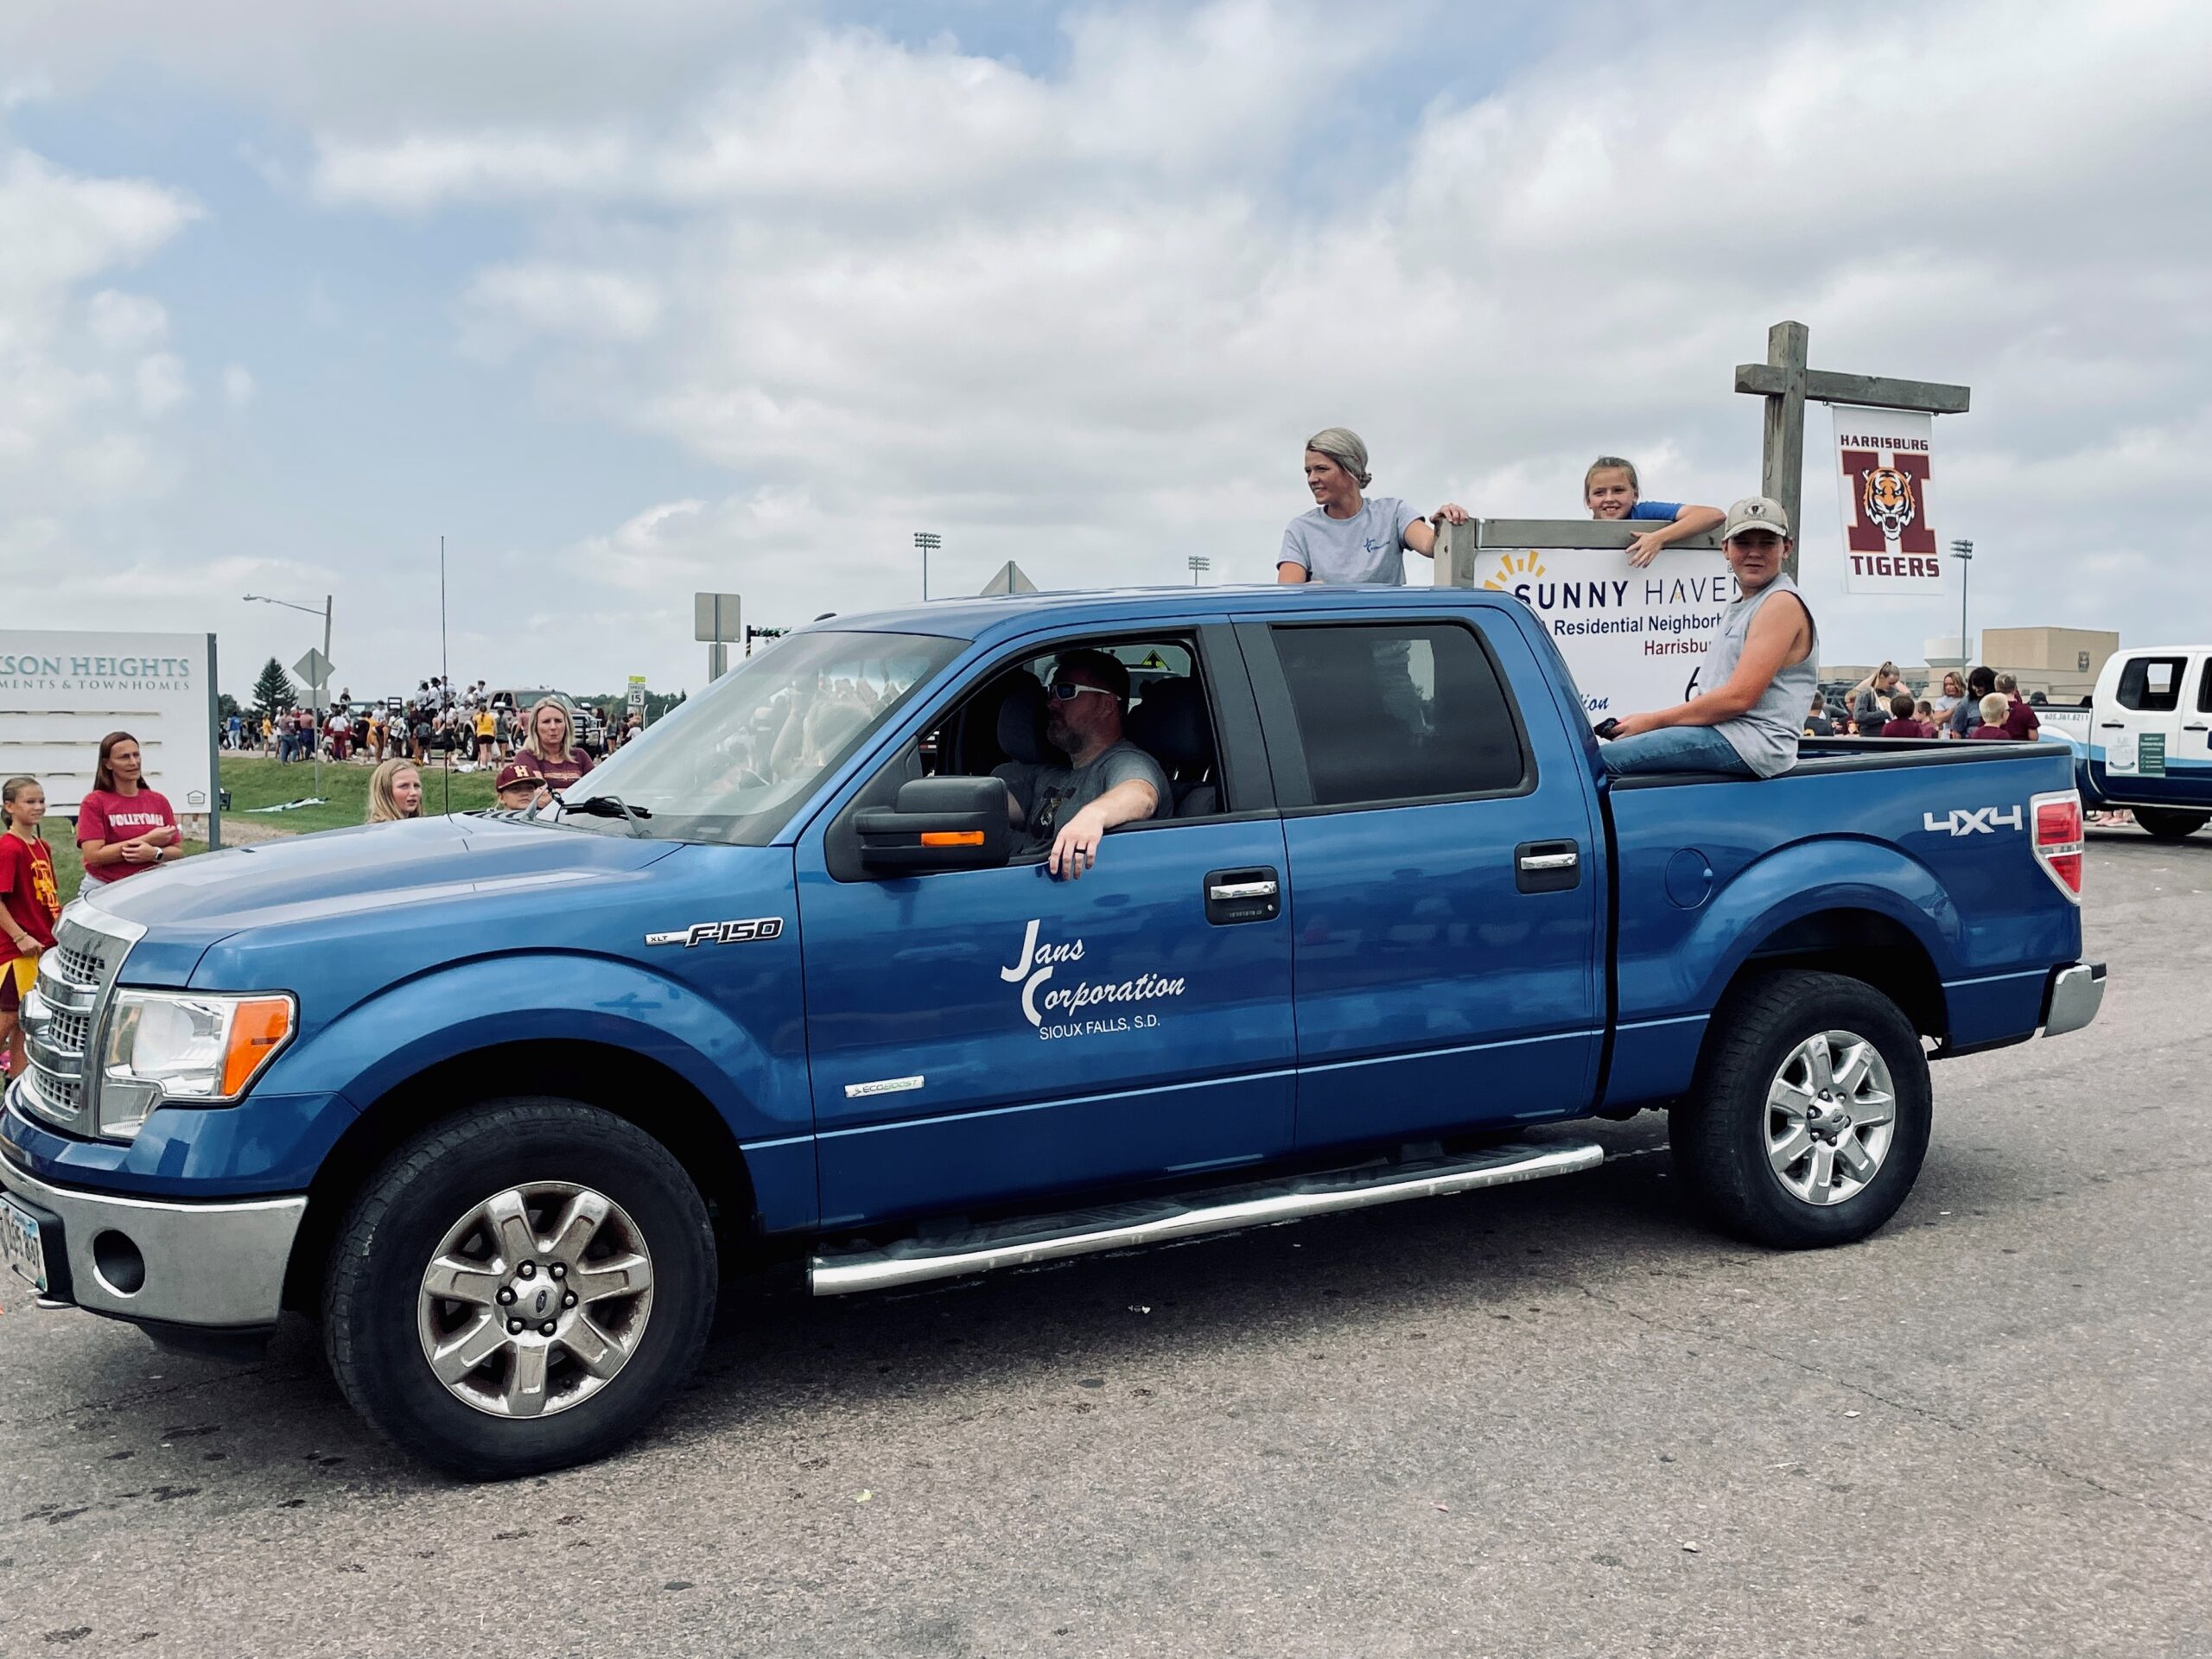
(1885, 499)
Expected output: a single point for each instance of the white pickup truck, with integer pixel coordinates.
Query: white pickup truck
(2149, 743)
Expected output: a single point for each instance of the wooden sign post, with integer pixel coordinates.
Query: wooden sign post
(1787, 384)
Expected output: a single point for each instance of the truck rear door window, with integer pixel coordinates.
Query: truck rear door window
(1394, 712)
(2152, 685)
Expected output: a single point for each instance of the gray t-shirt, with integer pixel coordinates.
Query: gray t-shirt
(1366, 547)
(1051, 795)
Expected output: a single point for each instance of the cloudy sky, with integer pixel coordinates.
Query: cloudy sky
(631, 300)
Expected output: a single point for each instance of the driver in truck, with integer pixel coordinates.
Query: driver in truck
(1108, 780)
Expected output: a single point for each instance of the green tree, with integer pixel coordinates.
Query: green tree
(225, 706)
(272, 692)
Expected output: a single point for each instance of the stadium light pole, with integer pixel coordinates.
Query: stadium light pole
(1963, 552)
(1200, 565)
(264, 599)
(929, 541)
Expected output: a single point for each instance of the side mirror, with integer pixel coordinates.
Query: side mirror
(939, 823)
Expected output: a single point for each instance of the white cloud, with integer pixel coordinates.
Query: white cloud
(162, 385)
(125, 322)
(509, 301)
(69, 398)
(237, 385)
(1070, 320)
(1084, 317)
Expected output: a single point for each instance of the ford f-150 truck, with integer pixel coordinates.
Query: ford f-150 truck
(500, 1099)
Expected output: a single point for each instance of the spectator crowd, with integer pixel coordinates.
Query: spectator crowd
(464, 727)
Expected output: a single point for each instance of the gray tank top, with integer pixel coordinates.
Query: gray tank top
(1765, 735)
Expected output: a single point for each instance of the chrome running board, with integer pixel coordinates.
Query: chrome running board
(1029, 1240)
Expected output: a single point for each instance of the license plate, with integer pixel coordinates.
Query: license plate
(21, 1247)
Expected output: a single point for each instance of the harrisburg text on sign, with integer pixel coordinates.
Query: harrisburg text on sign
(1883, 459)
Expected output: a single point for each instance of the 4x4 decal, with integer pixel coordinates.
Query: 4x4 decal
(1973, 821)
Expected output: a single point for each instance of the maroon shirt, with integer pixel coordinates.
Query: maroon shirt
(28, 890)
(2003, 733)
(1908, 728)
(559, 774)
(106, 817)
(2020, 720)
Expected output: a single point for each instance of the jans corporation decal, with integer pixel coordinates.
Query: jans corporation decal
(1051, 1005)
(741, 933)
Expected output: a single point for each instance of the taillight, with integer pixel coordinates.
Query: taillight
(2058, 839)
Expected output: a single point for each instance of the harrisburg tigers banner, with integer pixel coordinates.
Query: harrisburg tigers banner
(1883, 460)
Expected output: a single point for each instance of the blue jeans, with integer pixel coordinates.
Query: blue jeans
(1674, 748)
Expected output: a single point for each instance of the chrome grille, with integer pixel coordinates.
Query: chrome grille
(62, 1016)
(73, 962)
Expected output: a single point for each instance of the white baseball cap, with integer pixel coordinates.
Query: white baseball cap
(1756, 512)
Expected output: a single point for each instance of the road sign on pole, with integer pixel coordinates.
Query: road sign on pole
(313, 670)
(717, 618)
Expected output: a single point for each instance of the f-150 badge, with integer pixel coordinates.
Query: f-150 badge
(758, 927)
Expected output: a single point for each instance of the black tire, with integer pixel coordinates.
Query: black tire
(373, 1282)
(2169, 824)
(1719, 1134)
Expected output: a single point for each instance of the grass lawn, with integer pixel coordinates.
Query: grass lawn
(264, 783)
(255, 783)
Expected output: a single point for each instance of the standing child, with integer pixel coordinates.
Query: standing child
(30, 899)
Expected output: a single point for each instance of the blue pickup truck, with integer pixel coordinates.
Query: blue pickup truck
(500, 1099)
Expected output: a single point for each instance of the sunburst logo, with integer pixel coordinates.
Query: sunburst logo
(1510, 570)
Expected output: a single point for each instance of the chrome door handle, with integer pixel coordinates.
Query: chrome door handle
(1228, 890)
(1550, 861)
(2113, 725)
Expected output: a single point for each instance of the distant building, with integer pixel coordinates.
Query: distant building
(2064, 663)
(2061, 663)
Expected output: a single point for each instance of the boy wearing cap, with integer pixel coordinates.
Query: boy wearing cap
(519, 787)
(1763, 668)
(1349, 537)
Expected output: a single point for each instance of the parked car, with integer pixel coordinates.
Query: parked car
(2149, 746)
(1392, 911)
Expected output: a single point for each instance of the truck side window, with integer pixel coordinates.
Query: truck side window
(2152, 685)
(2204, 690)
(1399, 712)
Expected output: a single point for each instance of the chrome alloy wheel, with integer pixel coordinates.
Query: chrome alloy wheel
(1831, 1113)
(535, 1299)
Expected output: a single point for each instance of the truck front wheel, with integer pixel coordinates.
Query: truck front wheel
(1810, 1113)
(2169, 824)
(519, 1289)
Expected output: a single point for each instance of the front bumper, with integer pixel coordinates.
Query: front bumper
(2077, 991)
(217, 1266)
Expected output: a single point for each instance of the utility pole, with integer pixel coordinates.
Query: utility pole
(929, 541)
(317, 689)
(1963, 552)
(1200, 565)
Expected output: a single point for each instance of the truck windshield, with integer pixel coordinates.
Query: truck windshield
(734, 762)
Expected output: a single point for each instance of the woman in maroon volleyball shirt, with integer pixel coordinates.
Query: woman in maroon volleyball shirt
(122, 826)
(552, 747)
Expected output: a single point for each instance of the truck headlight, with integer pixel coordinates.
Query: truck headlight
(184, 1045)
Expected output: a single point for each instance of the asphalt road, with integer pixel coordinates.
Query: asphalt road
(1557, 1419)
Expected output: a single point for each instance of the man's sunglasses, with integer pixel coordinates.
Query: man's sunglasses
(1068, 691)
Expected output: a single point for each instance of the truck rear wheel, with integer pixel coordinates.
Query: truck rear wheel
(2169, 824)
(1810, 1113)
(519, 1289)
